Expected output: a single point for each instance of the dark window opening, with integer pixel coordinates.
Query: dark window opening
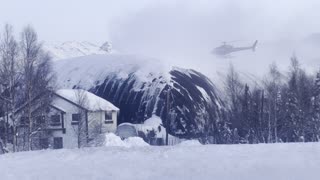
(40, 120)
(75, 119)
(57, 143)
(55, 120)
(24, 120)
(44, 143)
(108, 115)
(108, 122)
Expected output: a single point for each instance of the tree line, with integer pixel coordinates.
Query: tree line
(283, 107)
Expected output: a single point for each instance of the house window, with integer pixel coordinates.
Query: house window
(75, 119)
(57, 143)
(108, 117)
(44, 143)
(40, 120)
(24, 120)
(55, 120)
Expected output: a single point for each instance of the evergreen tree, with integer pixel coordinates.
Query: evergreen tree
(315, 122)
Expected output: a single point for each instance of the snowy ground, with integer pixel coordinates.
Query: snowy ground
(256, 162)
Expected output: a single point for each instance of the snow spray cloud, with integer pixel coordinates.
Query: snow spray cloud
(186, 32)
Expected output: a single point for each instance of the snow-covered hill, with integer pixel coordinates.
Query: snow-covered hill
(138, 86)
(205, 162)
(72, 49)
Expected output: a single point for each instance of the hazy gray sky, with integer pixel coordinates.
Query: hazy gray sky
(61, 20)
(95, 20)
(184, 30)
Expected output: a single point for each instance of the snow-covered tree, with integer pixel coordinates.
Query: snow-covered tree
(315, 122)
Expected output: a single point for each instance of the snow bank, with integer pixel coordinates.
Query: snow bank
(135, 141)
(190, 143)
(112, 140)
(223, 162)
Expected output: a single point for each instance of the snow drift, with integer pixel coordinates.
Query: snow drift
(223, 162)
(112, 140)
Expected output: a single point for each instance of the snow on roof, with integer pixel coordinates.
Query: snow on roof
(87, 100)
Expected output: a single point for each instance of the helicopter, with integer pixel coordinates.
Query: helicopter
(226, 49)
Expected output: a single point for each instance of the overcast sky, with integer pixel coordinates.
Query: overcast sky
(94, 20)
(168, 29)
(62, 20)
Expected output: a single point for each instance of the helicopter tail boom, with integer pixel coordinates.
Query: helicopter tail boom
(254, 45)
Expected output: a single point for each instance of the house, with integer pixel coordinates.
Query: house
(72, 118)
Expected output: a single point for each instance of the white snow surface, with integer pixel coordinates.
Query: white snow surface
(71, 49)
(190, 143)
(89, 71)
(136, 142)
(112, 140)
(91, 101)
(207, 162)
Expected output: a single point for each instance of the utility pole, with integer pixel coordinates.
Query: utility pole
(261, 113)
(168, 115)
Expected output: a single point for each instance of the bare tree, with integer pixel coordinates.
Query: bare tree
(9, 78)
(272, 85)
(80, 127)
(234, 89)
(37, 76)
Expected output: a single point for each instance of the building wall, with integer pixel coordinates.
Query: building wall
(96, 124)
(70, 137)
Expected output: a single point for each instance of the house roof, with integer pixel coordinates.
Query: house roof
(86, 100)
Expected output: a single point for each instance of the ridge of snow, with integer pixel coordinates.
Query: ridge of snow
(71, 49)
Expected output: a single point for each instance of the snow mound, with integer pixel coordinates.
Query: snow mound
(136, 142)
(190, 143)
(155, 124)
(114, 140)
(154, 121)
(152, 124)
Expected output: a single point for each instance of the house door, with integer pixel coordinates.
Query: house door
(44, 143)
(57, 143)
